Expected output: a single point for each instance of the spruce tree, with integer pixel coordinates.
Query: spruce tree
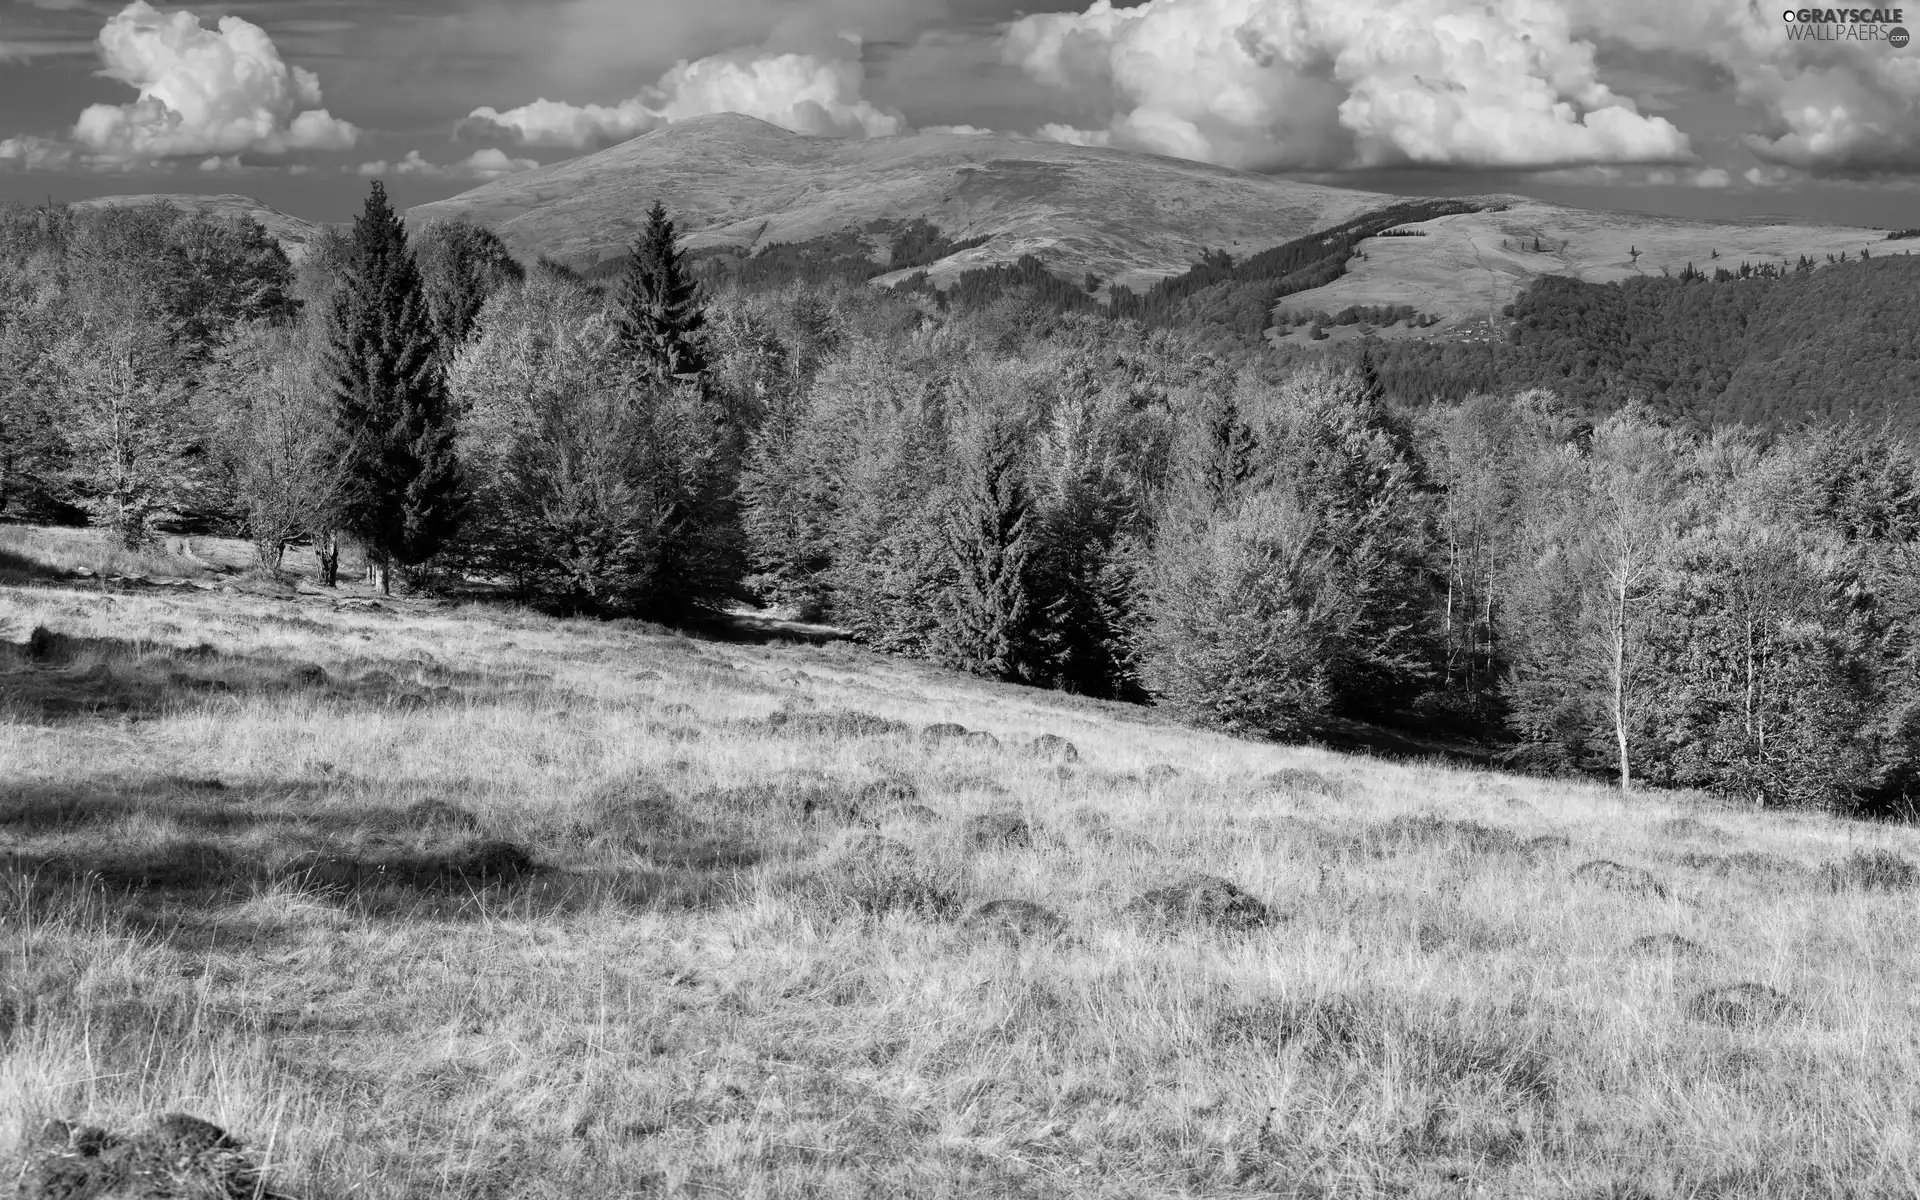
(382, 370)
(990, 538)
(658, 306)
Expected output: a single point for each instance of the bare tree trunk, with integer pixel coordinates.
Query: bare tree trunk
(1620, 674)
(1453, 568)
(327, 548)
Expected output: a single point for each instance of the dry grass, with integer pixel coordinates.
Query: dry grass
(492, 905)
(28, 552)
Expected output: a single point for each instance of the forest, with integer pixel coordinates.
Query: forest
(1747, 344)
(1584, 578)
(1768, 349)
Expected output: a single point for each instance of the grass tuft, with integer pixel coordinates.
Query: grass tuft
(1870, 870)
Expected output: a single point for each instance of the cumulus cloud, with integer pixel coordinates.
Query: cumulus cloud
(490, 163)
(34, 154)
(958, 130)
(1501, 83)
(1840, 106)
(1053, 131)
(203, 91)
(802, 92)
(1302, 83)
(1701, 177)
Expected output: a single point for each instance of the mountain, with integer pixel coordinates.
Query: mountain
(733, 181)
(292, 233)
(736, 183)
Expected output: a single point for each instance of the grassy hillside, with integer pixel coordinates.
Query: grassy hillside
(423, 901)
(735, 182)
(1469, 266)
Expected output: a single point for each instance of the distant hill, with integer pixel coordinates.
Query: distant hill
(292, 233)
(1469, 266)
(733, 181)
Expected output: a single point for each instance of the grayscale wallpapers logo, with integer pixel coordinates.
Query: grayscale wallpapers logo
(1847, 25)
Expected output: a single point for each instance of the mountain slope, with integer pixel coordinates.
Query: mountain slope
(1468, 266)
(292, 233)
(734, 181)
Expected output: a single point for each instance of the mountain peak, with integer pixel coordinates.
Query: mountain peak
(721, 123)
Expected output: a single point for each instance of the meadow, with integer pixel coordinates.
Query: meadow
(432, 900)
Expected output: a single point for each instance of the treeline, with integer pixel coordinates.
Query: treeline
(1217, 291)
(108, 321)
(1766, 349)
(1053, 498)
(1383, 315)
(165, 369)
(1087, 505)
(1760, 343)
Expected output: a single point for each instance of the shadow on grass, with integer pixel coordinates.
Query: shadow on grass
(189, 859)
(19, 570)
(54, 677)
(1379, 741)
(753, 626)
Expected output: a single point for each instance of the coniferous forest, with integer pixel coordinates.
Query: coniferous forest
(1667, 533)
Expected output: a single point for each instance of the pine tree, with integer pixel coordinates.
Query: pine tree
(658, 306)
(382, 370)
(990, 540)
(1219, 459)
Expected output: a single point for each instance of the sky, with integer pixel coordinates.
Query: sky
(1698, 108)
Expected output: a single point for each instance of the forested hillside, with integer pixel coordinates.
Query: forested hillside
(1833, 341)
(1762, 347)
(1589, 581)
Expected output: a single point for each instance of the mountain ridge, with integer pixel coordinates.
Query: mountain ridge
(737, 182)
